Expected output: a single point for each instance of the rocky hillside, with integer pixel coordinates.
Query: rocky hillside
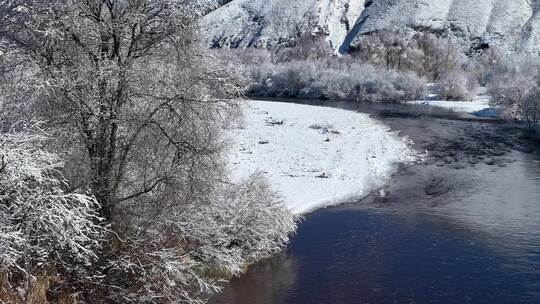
(512, 25)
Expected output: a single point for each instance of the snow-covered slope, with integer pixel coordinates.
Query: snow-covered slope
(510, 24)
(267, 23)
(500, 22)
(315, 156)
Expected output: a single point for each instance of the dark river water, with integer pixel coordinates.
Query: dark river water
(461, 226)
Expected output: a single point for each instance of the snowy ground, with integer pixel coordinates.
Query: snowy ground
(479, 106)
(315, 156)
(471, 107)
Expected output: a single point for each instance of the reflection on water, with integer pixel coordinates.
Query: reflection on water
(352, 256)
(504, 202)
(461, 227)
(268, 282)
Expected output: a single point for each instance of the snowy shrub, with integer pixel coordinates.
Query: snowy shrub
(41, 225)
(192, 250)
(455, 86)
(260, 222)
(290, 79)
(514, 86)
(337, 79)
(410, 85)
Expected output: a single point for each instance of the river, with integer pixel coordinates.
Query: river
(460, 226)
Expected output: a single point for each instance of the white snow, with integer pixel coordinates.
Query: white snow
(471, 107)
(319, 156)
(509, 24)
(333, 16)
(479, 105)
(267, 23)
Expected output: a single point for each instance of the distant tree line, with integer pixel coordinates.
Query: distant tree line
(393, 67)
(384, 66)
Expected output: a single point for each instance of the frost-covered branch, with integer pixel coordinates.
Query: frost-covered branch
(137, 106)
(41, 226)
(185, 256)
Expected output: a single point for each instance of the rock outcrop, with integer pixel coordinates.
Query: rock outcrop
(511, 25)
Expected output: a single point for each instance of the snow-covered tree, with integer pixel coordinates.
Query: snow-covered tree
(427, 55)
(125, 88)
(455, 86)
(514, 86)
(308, 47)
(113, 68)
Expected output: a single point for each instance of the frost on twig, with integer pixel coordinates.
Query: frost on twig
(195, 247)
(41, 224)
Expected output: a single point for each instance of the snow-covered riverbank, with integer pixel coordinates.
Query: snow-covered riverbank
(475, 107)
(479, 105)
(315, 156)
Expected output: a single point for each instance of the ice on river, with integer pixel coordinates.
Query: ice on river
(315, 156)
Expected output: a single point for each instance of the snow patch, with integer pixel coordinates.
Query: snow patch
(457, 106)
(479, 106)
(318, 156)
